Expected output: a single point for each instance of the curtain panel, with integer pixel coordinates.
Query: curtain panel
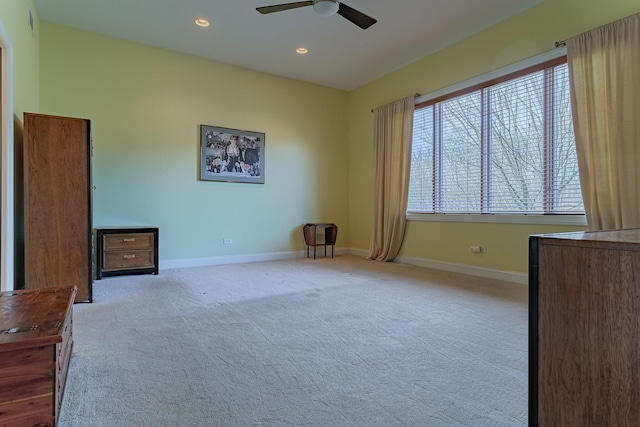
(393, 127)
(604, 70)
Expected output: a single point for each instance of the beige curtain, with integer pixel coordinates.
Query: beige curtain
(604, 68)
(392, 156)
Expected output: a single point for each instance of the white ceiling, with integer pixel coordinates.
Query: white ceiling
(341, 55)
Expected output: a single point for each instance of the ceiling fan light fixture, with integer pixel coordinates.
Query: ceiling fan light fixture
(201, 22)
(326, 7)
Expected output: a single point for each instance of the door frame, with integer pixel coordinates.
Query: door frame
(6, 162)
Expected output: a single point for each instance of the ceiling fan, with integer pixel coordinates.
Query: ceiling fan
(325, 8)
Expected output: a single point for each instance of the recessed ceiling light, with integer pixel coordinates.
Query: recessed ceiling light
(302, 50)
(201, 22)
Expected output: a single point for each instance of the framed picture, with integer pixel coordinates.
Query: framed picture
(231, 155)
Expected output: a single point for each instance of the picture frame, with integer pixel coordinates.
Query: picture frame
(231, 155)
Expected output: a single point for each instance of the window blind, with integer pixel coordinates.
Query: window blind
(506, 147)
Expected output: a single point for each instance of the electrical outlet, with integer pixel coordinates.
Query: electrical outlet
(226, 241)
(478, 249)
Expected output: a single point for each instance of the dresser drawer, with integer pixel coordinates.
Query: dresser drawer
(127, 241)
(127, 259)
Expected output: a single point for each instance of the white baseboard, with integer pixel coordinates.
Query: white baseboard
(359, 252)
(508, 276)
(237, 259)
(230, 259)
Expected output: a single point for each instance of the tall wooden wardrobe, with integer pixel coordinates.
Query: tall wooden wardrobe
(57, 203)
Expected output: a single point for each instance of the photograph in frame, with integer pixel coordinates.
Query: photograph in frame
(231, 155)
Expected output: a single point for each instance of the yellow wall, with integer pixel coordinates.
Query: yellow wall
(525, 35)
(146, 106)
(15, 17)
(25, 56)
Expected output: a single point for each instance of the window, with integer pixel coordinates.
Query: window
(502, 146)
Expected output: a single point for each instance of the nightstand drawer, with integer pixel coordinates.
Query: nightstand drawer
(128, 241)
(127, 259)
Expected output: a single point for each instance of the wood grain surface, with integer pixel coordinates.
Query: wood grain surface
(128, 241)
(57, 203)
(589, 330)
(35, 349)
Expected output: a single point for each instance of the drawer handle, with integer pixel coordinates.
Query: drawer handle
(128, 256)
(129, 239)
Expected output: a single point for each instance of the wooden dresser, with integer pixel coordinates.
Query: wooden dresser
(126, 250)
(36, 339)
(584, 329)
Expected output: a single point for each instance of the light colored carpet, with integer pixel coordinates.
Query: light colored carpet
(330, 342)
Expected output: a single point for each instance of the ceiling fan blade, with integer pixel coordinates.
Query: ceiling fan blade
(281, 7)
(360, 19)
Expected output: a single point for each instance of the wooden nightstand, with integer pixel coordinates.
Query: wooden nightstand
(126, 250)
